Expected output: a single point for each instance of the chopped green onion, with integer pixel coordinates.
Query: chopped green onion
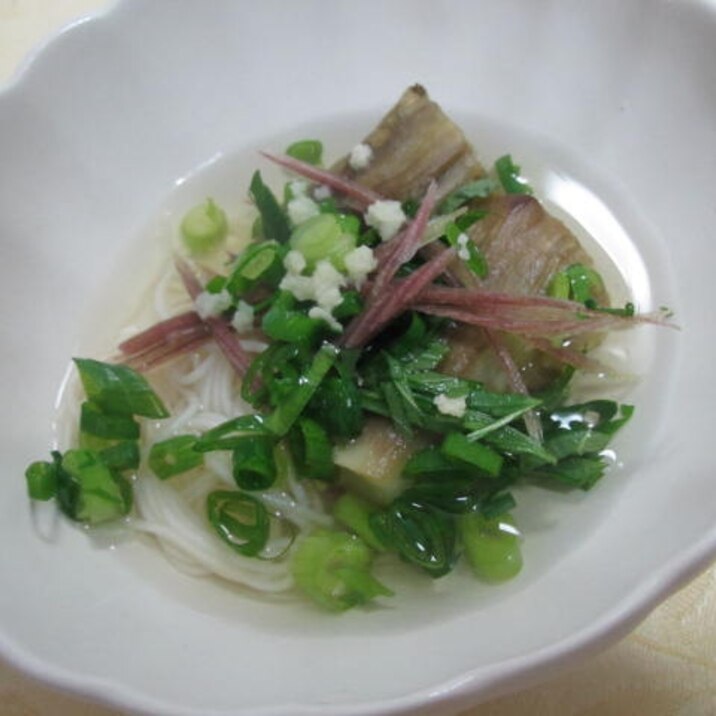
(433, 463)
(478, 189)
(323, 237)
(94, 421)
(351, 305)
(254, 465)
(121, 456)
(350, 224)
(229, 434)
(119, 389)
(216, 284)
(204, 227)
(328, 206)
(306, 150)
(458, 447)
(355, 512)
(419, 533)
(509, 175)
(627, 311)
(174, 456)
(276, 365)
(559, 286)
(88, 491)
(497, 504)
(338, 407)
(312, 450)
(455, 496)
(285, 414)
(274, 221)
(240, 520)
(475, 260)
(41, 479)
(258, 263)
(492, 546)
(466, 220)
(333, 568)
(284, 322)
(410, 207)
(576, 282)
(370, 237)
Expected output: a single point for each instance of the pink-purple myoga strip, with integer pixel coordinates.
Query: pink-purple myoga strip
(361, 196)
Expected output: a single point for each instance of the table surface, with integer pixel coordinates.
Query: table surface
(666, 667)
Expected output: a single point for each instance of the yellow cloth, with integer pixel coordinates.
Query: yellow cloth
(667, 667)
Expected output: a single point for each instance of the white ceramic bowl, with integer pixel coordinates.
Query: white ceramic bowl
(611, 107)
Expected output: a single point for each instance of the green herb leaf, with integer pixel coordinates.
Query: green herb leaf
(478, 189)
(431, 462)
(575, 471)
(453, 496)
(497, 504)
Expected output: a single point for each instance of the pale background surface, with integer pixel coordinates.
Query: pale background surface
(667, 667)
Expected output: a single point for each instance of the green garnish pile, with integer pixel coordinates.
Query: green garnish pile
(450, 498)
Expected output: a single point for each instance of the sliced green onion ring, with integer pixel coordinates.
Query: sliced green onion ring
(240, 520)
(174, 456)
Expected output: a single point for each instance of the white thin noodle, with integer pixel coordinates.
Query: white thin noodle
(202, 391)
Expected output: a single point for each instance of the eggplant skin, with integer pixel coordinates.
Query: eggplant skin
(524, 246)
(414, 143)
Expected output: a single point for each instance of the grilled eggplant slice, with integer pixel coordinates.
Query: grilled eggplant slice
(523, 244)
(414, 143)
(524, 247)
